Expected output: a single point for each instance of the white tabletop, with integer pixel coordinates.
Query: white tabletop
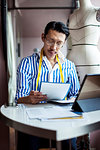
(58, 130)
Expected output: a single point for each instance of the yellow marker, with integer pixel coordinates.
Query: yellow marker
(77, 117)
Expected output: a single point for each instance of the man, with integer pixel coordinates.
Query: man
(48, 66)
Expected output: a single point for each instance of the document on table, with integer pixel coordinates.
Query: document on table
(51, 112)
(55, 91)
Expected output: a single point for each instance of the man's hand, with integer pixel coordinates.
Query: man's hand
(36, 96)
(33, 98)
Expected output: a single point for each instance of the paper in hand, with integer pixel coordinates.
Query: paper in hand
(56, 91)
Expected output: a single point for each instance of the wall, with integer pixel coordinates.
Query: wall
(29, 44)
(95, 140)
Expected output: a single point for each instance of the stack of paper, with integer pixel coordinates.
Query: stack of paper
(50, 112)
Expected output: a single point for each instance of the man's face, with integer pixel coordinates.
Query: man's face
(52, 43)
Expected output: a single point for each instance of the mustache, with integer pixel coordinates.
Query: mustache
(53, 51)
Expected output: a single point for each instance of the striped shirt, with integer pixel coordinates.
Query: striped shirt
(27, 73)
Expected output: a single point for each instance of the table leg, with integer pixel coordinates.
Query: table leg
(12, 139)
(50, 145)
(58, 145)
(70, 147)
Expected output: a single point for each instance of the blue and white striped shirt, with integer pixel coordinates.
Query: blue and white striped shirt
(27, 73)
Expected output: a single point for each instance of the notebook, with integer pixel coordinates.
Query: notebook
(88, 98)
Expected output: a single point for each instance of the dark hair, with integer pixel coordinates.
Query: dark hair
(58, 26)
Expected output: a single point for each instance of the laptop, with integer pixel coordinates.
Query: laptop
(88, 98)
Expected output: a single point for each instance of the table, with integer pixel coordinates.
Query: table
(17, 118)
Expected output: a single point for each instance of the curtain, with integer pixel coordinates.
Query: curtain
(11, 61)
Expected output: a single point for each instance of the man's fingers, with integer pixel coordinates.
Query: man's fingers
(36, 96)
(31, 92)
(35, 93)
(39, 97)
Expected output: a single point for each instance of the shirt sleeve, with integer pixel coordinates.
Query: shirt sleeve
(23, 79)
(73, 80)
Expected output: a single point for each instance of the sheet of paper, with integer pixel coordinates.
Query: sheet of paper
(55, 90)
(50, 113)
